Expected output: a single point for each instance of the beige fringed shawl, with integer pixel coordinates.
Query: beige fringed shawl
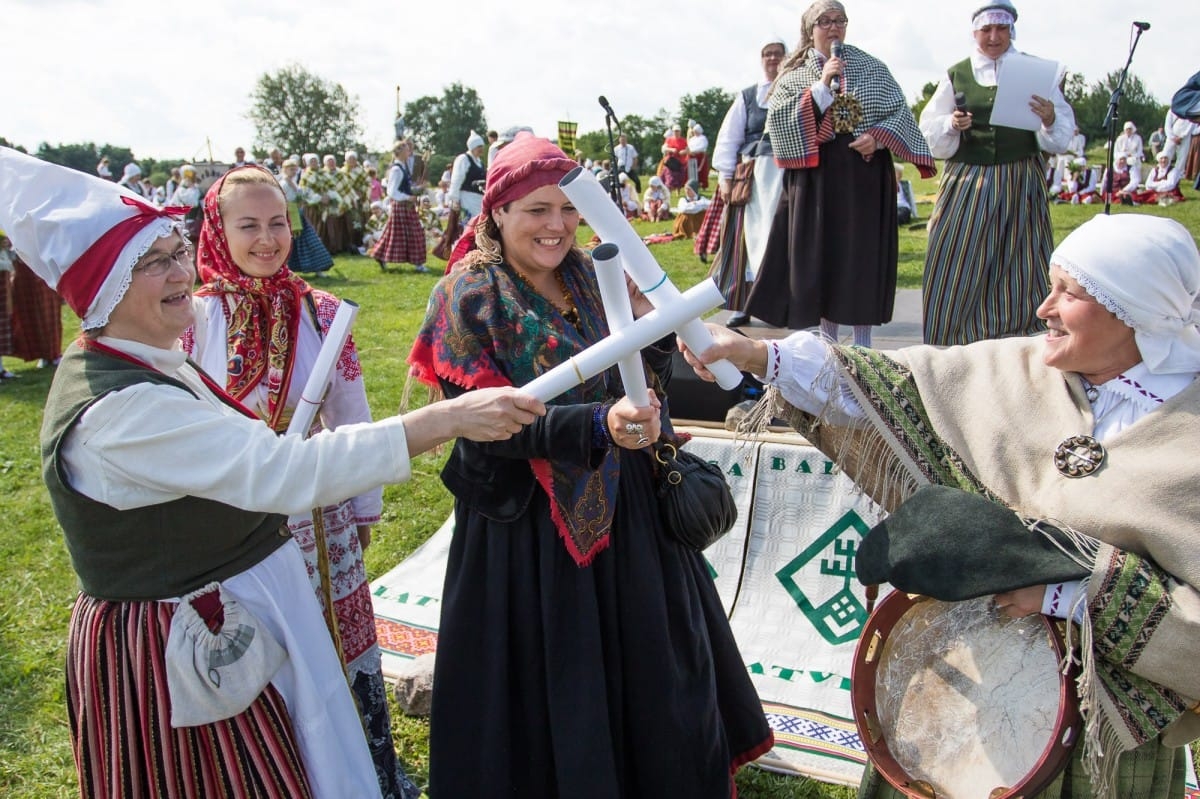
(987, 418)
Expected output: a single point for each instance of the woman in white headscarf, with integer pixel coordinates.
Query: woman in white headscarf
(1053, 427)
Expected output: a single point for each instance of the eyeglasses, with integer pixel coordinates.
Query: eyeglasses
(157, 266)
(825, 23)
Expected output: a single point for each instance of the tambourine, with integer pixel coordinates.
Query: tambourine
(956, 701)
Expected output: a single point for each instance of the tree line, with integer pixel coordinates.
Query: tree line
(299, 112)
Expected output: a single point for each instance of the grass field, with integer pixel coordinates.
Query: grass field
(37, 585)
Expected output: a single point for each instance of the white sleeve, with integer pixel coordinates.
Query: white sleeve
(822, 95)
(457, 175)
(149, 444)
(937, 123)
(729, 138)
(794, 366)
(1057, 137)
(393, 184)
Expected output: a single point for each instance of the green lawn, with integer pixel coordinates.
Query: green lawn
(37, 585)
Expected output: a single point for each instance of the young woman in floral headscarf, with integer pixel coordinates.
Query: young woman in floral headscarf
(258, 329)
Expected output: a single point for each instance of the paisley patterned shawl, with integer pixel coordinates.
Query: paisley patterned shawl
(797, 133)
(262, 315)
(484, 327)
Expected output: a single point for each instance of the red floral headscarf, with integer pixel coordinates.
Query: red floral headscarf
(262, 313)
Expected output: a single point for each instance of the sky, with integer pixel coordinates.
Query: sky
(174, 80)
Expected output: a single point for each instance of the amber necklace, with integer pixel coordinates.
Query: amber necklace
(567, 309)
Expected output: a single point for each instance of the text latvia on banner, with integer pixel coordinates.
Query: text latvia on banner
(785, 575)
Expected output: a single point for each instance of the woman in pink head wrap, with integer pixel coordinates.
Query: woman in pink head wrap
(575, 631)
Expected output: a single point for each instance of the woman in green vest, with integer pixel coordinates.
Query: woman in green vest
(989, 236)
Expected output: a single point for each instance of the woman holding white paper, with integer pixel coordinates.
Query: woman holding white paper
(576, 634)
(259, 329)
(989, 248)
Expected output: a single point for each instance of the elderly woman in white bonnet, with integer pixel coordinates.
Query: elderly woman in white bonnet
(198, 654)
(1090, 428)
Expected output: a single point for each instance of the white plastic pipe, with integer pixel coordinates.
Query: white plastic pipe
(702, 297)
(610, 274)
(322, 372)
(590, 199)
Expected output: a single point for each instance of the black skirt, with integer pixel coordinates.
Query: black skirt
(833, 246)
(617, 680)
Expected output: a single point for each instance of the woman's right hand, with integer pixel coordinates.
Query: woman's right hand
(494, 414)
(961, 120)
(833, 69)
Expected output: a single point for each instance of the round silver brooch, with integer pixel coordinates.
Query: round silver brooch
(1078, 456)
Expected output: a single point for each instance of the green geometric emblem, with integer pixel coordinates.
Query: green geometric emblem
(829, 605)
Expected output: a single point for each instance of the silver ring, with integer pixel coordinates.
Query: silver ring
(643, 441)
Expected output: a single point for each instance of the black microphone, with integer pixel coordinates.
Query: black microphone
(835, 49)
(1142, 26)
(960, 104)
(604, 104)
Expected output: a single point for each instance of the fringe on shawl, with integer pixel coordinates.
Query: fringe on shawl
(878, 463)
(1099, 734)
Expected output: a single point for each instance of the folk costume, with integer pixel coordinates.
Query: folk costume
(899, 421)
(577, 632)
(145, 461)
(354, 186)
(403, 240)
(324, 212)
(834, 242)
(37, 327)
(467, 176)
(308, 252)
(738, 234)
(260, 337)
(989, 235)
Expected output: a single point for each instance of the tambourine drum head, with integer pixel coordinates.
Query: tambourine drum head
(962, 701)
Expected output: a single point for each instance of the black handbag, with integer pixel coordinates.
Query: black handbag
(696, 504)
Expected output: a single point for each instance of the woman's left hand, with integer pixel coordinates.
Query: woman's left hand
(1021, 602)
(865, 145)
(364, 536)
(1044, 109)
(631, 427)
(638, 301)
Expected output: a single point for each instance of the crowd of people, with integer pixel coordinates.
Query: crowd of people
(602, 633)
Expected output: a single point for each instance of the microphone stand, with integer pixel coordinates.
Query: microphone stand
(614, 182)
(1110, 120)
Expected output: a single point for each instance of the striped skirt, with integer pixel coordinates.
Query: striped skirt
(403, 240)
(728, 270)
(986, 268)
(120, 718)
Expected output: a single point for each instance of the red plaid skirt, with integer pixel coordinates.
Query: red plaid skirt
(403, 240)
(708, 238)
(37, 327)
(5, 314)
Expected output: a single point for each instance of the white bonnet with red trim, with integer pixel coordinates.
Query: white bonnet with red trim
(79, 233)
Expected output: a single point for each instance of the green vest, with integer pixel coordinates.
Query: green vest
(155, 552)
(987, 144)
